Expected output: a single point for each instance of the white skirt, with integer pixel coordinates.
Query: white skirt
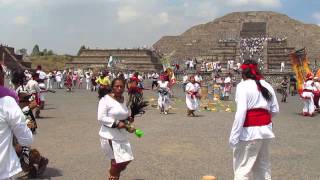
(192, 103)
(164, 101)
(120, 151)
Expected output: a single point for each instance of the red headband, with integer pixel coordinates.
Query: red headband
(253, 69)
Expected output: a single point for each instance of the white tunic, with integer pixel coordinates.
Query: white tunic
(110, 110)
(248, 97)
(192, 102)
(12, 122)
(308, 85)
(33, 86)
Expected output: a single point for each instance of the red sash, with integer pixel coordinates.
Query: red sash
(193, 94)
(257, 117)
(307, 90)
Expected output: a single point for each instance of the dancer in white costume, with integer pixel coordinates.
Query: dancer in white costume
(317, 92)
(307, 96)
(112, 112)
(252, 128)
(163, 100)
(192, 96)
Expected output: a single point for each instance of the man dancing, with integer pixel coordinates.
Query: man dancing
(307, 96)
(252, 128)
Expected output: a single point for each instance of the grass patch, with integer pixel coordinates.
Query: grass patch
(50, 63)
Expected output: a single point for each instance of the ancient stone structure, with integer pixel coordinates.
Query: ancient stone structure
(12, 60)
(126, 59)
(253, 29)
(217, 40)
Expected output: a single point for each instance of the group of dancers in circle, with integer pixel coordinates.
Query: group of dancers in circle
(250, 136)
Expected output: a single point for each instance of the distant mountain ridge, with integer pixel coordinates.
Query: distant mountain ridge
(206, 36)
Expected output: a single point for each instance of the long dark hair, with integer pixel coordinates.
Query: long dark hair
(107, 90)
(18, 77)
(254, 74)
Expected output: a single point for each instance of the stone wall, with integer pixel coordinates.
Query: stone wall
(131, 59)
(12, 60)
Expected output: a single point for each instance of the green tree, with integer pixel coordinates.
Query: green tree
(45, 52)
(50, 53)
(23, 52)
(35, 50)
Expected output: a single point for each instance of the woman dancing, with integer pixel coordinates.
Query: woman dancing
(192, 96)
(163, 100)
(112, 114)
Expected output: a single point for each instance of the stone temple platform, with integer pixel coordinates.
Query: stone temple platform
(143, 60)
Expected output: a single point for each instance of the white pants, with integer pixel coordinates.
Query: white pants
(308, 103)
(88, 85)
(251, 160)
(164, 102)
(49, 83)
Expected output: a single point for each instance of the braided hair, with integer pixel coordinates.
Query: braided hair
(250, 71)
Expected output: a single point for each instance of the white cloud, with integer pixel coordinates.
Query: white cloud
(20, 3)
(127, 14)
(263, 3)
(20, 20)
(163, 18)
(317, 15)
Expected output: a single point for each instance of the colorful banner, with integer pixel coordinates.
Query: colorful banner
(209, 66)
(300, 65)
(172, 78)
(318, 73)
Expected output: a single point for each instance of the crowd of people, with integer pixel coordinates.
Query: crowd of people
(249, 138)
(251, 132)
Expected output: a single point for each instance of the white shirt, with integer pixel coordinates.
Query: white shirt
(110, 110)
(33, 86)
(42, 75)
(58, 76)
(248, 97)
(155, 76)
(163, 85)
(12, 121)
(185, 79)
(227, 80)
(192, 88)
(198, 78)
(308, 85)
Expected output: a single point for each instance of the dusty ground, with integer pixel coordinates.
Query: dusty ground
(174, 147)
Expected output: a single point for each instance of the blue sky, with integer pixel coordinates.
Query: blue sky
(64, 25)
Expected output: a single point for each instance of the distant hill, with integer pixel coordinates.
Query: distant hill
(206, 36)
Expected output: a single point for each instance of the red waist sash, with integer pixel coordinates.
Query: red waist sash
(257, 117)
(307, 90)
